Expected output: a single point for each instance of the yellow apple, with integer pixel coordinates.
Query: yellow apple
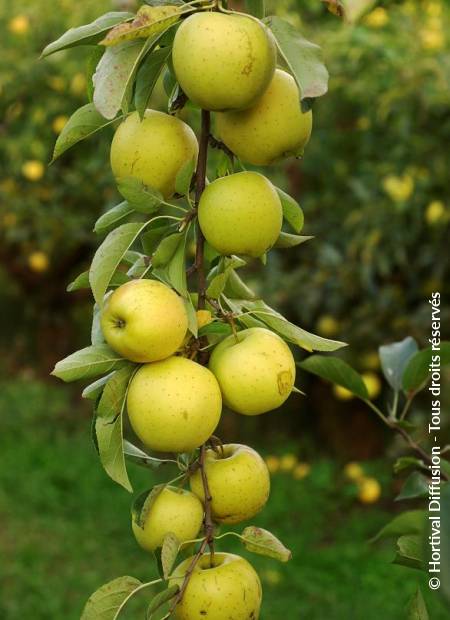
(229, 589)
(238, 480)
(144, 321)
(255, 371)
(241, 214)
(174, 510)
(153, 150)
(223, 62)
(274, 128)
(174, 405)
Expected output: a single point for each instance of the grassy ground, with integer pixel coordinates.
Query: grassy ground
(64, 528)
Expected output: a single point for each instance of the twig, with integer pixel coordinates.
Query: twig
(199, 267)
(200, 183)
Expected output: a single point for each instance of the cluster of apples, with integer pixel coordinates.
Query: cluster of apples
(224, 63)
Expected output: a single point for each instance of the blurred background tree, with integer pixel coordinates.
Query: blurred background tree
(373, 185)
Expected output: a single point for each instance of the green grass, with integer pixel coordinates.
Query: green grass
(64, 527)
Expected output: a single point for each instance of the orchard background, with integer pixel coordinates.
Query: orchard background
(373, 186)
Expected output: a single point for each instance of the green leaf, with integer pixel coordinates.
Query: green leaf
(169, 552)
(263, 542)
(167, 249)
(106, 602)
(303, 58)
(93, 391)
(111, 402)
(147, 76)
(192, 316)
(394, 359)
(256, 8)
(89, 34)
(286, 240)
(184, 178)
(337, 371)
(97, 337)
(176, 269)
(142, 505)
(216, 328)
(82, 281)
(152, 237)
(288, 331)
(149, 21)
(410, 522)
(109, 256)
(415, 486)
(110, 447)
(409, 552)
(236, 288)
(138, 456)
(142, 198)
(417, 609)
(408, 462)
(83, 123)
(292, 211)
(87, 363)
(91, 65)
(113, 218)
(224, 270)
(160, 599)
(417, 369)
(115, 72)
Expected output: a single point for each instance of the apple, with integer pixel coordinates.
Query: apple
(153, 150)
(255, 370)
(238, 480)
(144, 321)
(174, 405)
(174, 510)
(274, 128)
(230, 588)
(241, 214)
(223, 62)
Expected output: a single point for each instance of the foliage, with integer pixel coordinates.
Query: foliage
(379, 199)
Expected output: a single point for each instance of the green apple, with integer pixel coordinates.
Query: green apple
(274, 128)
(241, 214)
(223, 62)
(174, 510)
(153, 150)
(238, 480)
(230, 588)
(174, 405)
(255, 370)
(144, 321)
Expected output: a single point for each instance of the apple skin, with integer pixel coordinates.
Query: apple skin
(223, 62)
(174, 405)
(174, 510)
(153, 150)
(256, 374)
(241, 214)
(230, 589)
(239, 483)
(273, 129)
(144, 321)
